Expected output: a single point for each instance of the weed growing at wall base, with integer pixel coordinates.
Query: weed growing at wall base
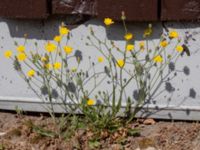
(77, 89)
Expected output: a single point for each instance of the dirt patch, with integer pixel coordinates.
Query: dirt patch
(16, 134)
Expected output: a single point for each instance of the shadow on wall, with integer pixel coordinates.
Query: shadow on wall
(47, 29)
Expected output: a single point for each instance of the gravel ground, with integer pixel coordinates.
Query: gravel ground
(15, 134)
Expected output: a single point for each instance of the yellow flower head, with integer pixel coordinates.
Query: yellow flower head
(43, 59)
(173, 34)
(179, 48)
(128, 36)
(48, 66)
(63, 30)
(142, 44)
(68, 49)
(120, 63)
(164, 43)
(108, 21)
(90, 102)
(57, 38)
(31, 73)
(57, 65)
(158, 59)
(50, 47)
(129, 47)
(148, 31)
(21, 48)
(100, 59)
(8, 54)
(21, 56)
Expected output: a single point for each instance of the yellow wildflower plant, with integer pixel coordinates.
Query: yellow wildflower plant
(108, 21)
(179, 48)
(163, 43)
(173, 34)
(100, 59)
(50, 47)
(63, 30)
(21, 48)
(57, 65)
(31, 73)
(129, 47)
(8, 54)
(90, 102)
(128, 36)
(158, 59)
(120, 63)
(68, 50)
(21, 57)
(57, 38)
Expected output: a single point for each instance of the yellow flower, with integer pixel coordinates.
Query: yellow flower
(158, 59)
(57, 65)
(21, 56)
(108, 21)
(50, 47)
(8, 54)
(100, 59)
(21, 48)
(179, 48)
(43, 59)
(48, 66)
(129, 47)
(142, 44)
(173, 34)
(164, 43)
(90, 102)
(128, 36)
(148, 31)
(57, 38)
(68, 49)
(31, 73)
(63, 30)
(120, 63)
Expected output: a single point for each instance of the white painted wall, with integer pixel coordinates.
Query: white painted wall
(13, 90)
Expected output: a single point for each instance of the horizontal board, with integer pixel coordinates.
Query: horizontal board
(180, 10)
(24, 9)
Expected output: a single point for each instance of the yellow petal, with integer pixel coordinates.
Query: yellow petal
(179, 48)
(120, 63)
(128, 36)
(108, 21)
(63, 30)
(158, 59)
(31, 73)
(21, 57)
(8, 54)
(129, 47)
(21, 48)
(100, 59)
(90, 102)
(50, 47)
(68, 49)
(57, 65)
